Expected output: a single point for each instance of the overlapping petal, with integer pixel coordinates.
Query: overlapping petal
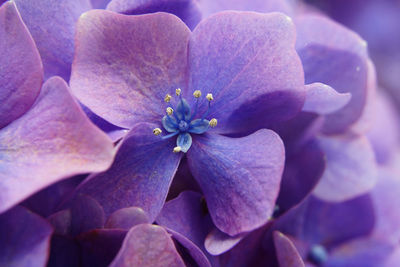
(286, 252)
(53, 140)
(123, 72)
(244, 172)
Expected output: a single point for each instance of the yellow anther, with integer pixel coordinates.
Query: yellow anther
(213, 122)
(178, 91)
(197, 94)
(209, 97)
(157, 131)
(177, 149)
(167, 98)
(169, 110)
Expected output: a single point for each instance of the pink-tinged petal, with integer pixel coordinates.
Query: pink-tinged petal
(24, 238)
(323, 99)
(52, 25)
(147, 245)
(335, 56)
(218, 242)
(123, 72)
(286, 252)
(21, 70)
(350, 168)
(99, 247)
(126, 218)
(248, 62)
(209, 7)
(140, 175)
(240, 177)
(186, 10)
(52, 141)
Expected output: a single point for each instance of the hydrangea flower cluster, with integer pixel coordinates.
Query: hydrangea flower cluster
(198, 133)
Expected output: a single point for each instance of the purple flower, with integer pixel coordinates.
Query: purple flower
(44, 135)
(246, 61)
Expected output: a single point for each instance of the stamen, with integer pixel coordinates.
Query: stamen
(197, 93)
(213, 122)
(178, 91)
(177, 149)
(170, 135)
(167, 98)
(170, 111)
(209, 97)
(157, 131)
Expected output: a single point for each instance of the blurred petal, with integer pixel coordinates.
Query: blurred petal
(101, 4)
(21, 70)
(52, 25)
(24, 238)
(186, 10)
(124, 80)
(147, 245)
(350, 168)
(286, 252)
(129, 182)
(248, 62)
(52, 141)
(240, 177)
(323, 99)
(126, 218)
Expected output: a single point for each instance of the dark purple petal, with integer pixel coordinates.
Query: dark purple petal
(52, 25)
(126, 218)
(140, 175)
(21, 70)
(53, 140)
(335, 56)
(248, 62)
(123, 72)
(24, 238)
(186, 10)
(350, 168)
(61, 222)
(286, 252)
(240, 177)
(86, 215)
(147, 245)
(64, 252)
(323, 99)
(218, 242)
(99, 247)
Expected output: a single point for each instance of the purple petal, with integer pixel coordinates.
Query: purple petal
(323, 99)
(186, 10)
(335, 56)
(52, 141)
(350, 168)
(218, 242)
(240, 177)
(52, 25)
(64, 252)
(124, 80)
(248, 62)
(24, 238)
(286, 252)
(61, 222)
(126, 218)
(86, 215)
(99, 247)
(129, 182)
(147, 245)
(100, 4)
(21, 70)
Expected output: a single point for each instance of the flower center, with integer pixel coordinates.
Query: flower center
(182, 121)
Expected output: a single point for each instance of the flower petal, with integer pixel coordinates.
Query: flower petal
(286, 252)
(218, 242)
(186, 10)
(21, 70)
(350, 168)
(147, 245)
(24, 238)
(52, 25)
(124, 80)
(169, 124)
(126, 218)
(140, 175)
(248, 62)
(184, 141)
(240, 177)
(183, 110)
(323, 99)
(199, 126)
(52, 141)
